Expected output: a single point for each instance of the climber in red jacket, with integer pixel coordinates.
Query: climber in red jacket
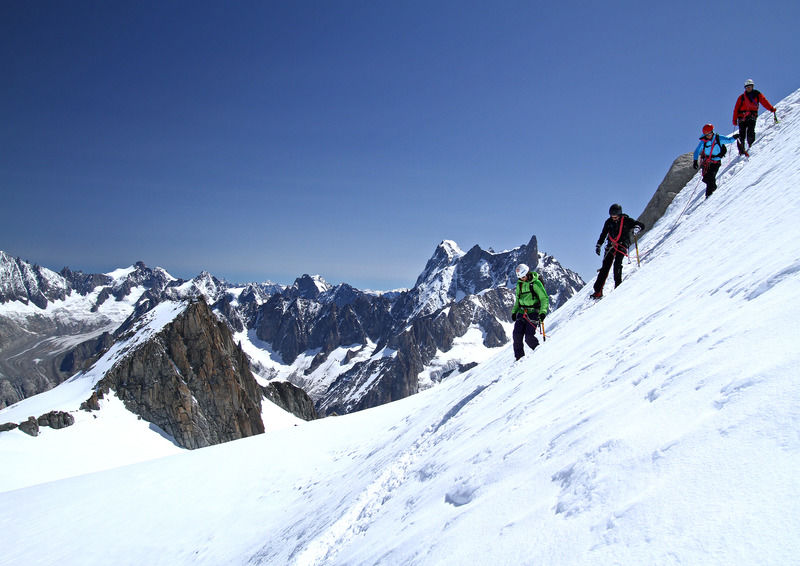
(746, 111)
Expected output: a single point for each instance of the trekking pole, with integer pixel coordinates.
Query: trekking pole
(636, 243)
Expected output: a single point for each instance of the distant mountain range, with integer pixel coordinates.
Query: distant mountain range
(348, 349)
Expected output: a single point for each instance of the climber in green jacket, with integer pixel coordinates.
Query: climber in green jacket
(530, 308)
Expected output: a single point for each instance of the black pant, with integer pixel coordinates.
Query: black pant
(747, 131)
(524, 328)
(710, 176)
(615, 257)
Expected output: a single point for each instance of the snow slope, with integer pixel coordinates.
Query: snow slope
(658, 426)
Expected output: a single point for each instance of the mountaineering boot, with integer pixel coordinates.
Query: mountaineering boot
(596, 295)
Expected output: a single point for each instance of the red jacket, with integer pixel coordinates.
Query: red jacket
(747, 104)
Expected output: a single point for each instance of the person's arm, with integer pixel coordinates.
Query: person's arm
(697, 150)
(736, 111)
(765, 103)
(515, 309)
(603, 234)
(544, 300)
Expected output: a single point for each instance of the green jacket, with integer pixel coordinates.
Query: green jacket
(531, 295)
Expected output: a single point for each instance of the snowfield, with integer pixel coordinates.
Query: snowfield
(660, 425)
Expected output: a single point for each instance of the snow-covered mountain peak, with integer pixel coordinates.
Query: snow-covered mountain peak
(311, 286)
(121, 274)
(451, 249)
(453, 276)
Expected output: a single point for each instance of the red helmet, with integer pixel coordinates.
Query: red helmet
(708, 129)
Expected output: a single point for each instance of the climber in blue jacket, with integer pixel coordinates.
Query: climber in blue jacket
(711, 149)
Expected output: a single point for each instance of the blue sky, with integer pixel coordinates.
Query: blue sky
(263, 140)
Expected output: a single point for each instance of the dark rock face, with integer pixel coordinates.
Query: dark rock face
(291, 398)
(85, 354)
(31, 357)
(85, 283)
(293, 324)
(680, 173)
(192, 381)
(396, 376)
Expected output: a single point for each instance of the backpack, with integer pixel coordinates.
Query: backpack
(520, 292)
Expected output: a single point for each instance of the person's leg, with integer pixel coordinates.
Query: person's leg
(518, 334)
(751, 130)
(618, 269)
(530, 336)
(710, 177)
(742, 136)
(603, 274)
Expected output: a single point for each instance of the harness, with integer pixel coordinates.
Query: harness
(615, 241)
(707, 158)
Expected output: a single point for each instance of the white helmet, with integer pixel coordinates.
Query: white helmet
(749, 82)
(522, 270)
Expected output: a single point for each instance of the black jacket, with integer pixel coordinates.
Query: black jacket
(619, 238)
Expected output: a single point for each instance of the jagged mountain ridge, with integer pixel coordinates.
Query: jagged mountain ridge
(350, 349)
(178, 368)
(52, 323)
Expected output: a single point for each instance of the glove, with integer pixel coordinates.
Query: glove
(542, 315)
(597, 249)
(636, 230)
(513, 316)
(694, 163)
(735, 136)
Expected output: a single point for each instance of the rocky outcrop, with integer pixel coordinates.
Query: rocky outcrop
(291, 398)
(191, 380)
(30, 427)
(56, 419)
(53, 419)
(680, 173)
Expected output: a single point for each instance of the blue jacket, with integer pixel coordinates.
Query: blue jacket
(705, 146)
